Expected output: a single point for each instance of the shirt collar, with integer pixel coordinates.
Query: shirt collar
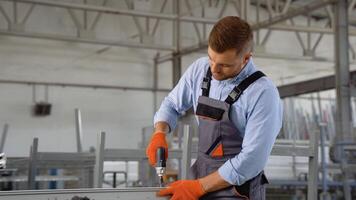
(249, 69)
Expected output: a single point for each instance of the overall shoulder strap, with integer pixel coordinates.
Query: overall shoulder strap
(237, 91)
(205, 85)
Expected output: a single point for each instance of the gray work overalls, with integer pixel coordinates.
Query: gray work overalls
(219, 141)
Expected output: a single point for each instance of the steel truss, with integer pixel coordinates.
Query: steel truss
(270, 16)
(87, 15)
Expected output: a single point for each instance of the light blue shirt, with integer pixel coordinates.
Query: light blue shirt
(257, 115)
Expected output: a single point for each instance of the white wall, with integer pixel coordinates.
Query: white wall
(121, 113)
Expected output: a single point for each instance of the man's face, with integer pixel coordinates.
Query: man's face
(227, 64)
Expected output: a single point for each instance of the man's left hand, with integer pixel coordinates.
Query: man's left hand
(184, 190)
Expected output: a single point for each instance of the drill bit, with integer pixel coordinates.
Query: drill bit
(161, 181)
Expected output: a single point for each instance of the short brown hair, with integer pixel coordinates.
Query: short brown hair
(231, 32)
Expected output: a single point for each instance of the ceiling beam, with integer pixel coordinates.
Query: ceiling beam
(115, 11)
(87, 40)
(81, 85)
(314, 5)
(310, 86)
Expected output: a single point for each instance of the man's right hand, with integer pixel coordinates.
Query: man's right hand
(158, 140)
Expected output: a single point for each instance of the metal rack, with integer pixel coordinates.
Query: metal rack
(108, 154)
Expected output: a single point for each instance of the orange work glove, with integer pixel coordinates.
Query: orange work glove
(158, 140)
(184, 190)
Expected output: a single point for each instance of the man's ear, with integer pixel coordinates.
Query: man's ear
(247, 58)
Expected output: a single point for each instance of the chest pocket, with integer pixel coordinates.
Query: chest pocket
(208, 112)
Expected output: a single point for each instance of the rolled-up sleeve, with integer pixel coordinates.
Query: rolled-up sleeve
(264, 122)
(178, 100)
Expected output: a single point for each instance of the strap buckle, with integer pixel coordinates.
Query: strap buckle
(205, 84)
(235, 93)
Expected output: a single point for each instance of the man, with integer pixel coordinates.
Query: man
(239, 115)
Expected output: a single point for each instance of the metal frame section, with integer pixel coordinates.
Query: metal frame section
(60, 160)
(136, 154)
(99, 161)
(3, 137)
(291, 150)
(343, 124)
(79, 85)
(323, 167)
(155, 83)
(88, 41)
(97, 194)
(342, 74)
(77, 160)
(313, 170)
(186, 152)
(32, 171)
(42, 178)
(114, 182)
(309, 150)
(57, 160)
(79, 130)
